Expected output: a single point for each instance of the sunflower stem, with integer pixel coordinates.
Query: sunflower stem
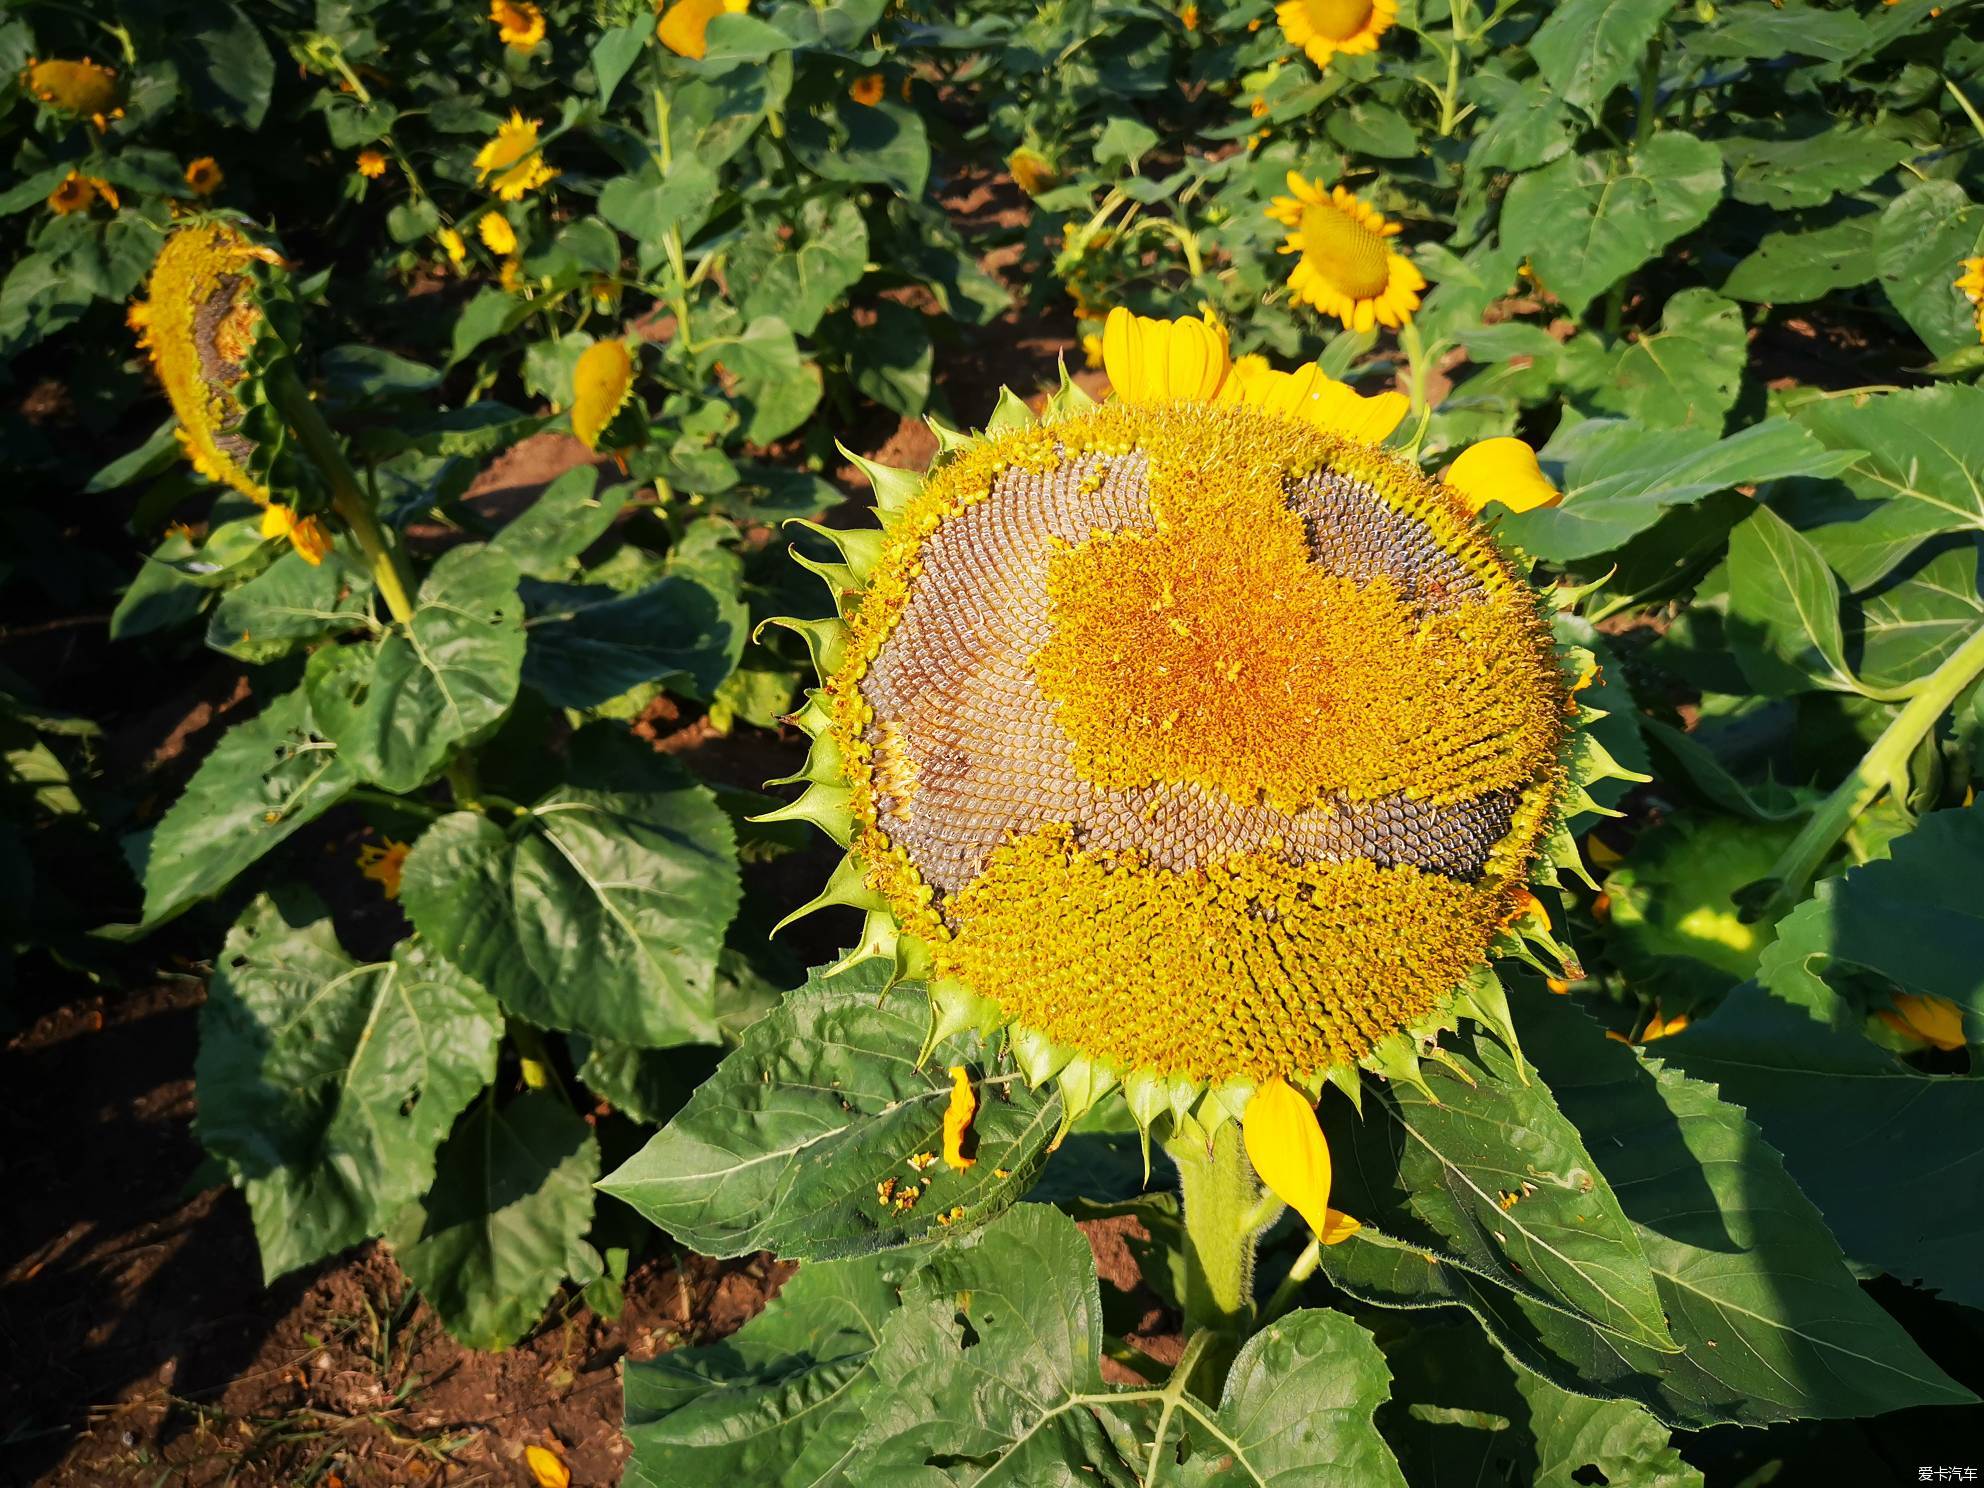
(348, 498)
(1219, 1193)
(1881, 768)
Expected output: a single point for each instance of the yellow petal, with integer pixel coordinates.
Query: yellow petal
(602, 381)
(1159, 361)
(1503, 470)
(1285, 1144)
(547, 1467)
(1933, 1020)
(957, 1118)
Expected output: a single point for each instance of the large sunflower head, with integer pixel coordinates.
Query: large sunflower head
(1345, 264)
(82, 89)
(198, 323)
(1194, 738)
(509, 164)
(1323, 28)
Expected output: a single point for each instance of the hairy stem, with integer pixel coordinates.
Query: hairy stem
(1219, 1192)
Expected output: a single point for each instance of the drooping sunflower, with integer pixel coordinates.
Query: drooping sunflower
(602, 383)
(510, 164)
(82, 89)
(1032, 171)
(204, 176)
(519, 23)
(1345, 263)
(77, 192)
(1197, 741)
(684, 26)
(1323, 28)
(198, 322)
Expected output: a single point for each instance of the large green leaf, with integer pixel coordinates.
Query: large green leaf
(1586, 221)
(265, 779)
(1923, 238)
(1586, 48)
(1686, 374)
(1915, 463)
(326, 1085)
(1771, 1323)
(1812, 170)
(505, 1220)
(1783, 620)
(399, 706)
(568, 516)
(589, 643)
(777, 1405)
(1889, 1154)
(290, 603)
(1918, 615)
(1496, 1170)
(600, 908)
(786, 1146)
(798, 271)
(1793, 268)
(1618, 480)
(886, 144)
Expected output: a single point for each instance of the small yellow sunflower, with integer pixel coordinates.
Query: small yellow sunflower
(509, 274)
(204, 176)
(602, 382)
(1189, 18)
(683, 27)
(1032, 171)
(198, 324)
(371, 164)
(452, 244)
(1345, 264)
(310, 537)
(510, 164)
(496, 233)
(384, 865)
(866, 90)
(1323, 28)
(83, 90)
(78, 193)
(519, 23)
(1971, 282)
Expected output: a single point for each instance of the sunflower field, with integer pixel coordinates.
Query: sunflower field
(1038, 742)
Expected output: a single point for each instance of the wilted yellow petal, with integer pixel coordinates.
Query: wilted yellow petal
(957, 1118)
(1285, 1144)
(1503, 470)
(600, 385)
(547, 1467)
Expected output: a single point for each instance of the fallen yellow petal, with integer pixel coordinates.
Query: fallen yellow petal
(547, 1467)
(957, 1118)
(1503, 470)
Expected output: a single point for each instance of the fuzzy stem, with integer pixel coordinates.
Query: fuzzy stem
(1219, 1192)
(348, 500)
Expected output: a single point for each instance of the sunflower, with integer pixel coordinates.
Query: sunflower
(371, 164)
(866, 90)
(510, 164)
(1345, 264)
(602, 382)
(204, 176)
(309, 536)
(83, 90)
(1202, 744)
(453, 245)
(1971, 282)
(496, 233)
(1032, 171)
(683, 26)
(1925, 1021)
(384, 865)
(1323, 28)
(198, 324)
(519, 24)
(78, 193)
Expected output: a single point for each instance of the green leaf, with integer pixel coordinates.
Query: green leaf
(1688, 372)
(1523, 126)
(601, 908)
(589, 644)
(990, 1371)
(1887, 1153)
(546, 538)
(647, 204)
(399, 706)
(327, 1085)
(1794, 268)
(1918, 616)
(223, 63)
(289, 604)
(821, 1102)
(492, 313)
(265, 779)
(505, 1220)
(885, 144)
(776, 387)
(1915, 457)
(798, 271)
(776, 1405)
(1586, 48)
(1771, 1323)
(1586, 221)
(1783, 619)
(1296, 1411)
(1619, 480)
(1465, 1148)
(1923, 237)
(1124, 141)
(614, 55)
(1762, 30)
(893, 359)
(1811, 171)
